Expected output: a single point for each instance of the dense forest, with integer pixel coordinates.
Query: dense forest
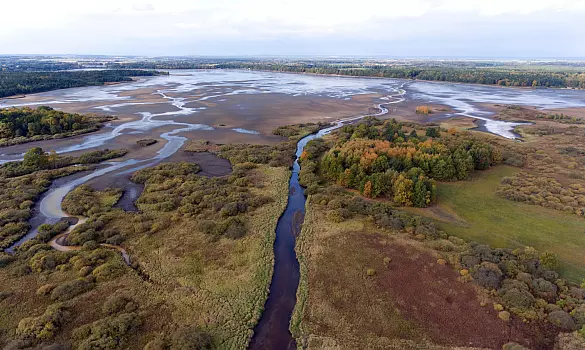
(20, 125)
(381, 160)
(15, 83)
(486, 73)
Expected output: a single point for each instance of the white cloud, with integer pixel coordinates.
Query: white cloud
(32, 22)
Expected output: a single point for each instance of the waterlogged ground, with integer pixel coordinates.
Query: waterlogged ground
(247, 105)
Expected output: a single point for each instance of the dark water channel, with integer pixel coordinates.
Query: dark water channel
(272, 332)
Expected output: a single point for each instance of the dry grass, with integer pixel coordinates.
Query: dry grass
(346, 299)
(221, 284)
(185, 277)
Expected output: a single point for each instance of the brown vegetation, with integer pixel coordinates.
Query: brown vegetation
(423, 110)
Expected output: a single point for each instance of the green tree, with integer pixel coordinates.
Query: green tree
(433, 132)
(463, 163)
(549, 260)
(36, 157)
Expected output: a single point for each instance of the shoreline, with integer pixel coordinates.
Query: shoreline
(389, 78)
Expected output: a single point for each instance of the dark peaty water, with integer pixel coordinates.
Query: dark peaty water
(272, 332)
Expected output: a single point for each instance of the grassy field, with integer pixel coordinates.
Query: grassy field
(472, 210)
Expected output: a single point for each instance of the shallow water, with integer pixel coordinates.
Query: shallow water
(215, 85)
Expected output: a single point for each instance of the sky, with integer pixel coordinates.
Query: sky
(389, 28)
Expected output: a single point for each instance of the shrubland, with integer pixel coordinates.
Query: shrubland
(201, 262)
(521, 284)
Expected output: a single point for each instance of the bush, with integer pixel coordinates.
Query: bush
(334, 216)
(578, 315)
(518, 298)
(488, 275)
(48, 231)
(514, 346)
(562, 320)
(232, 227)
(107, 333)
(47, 260)
(68, 290)
(5, 259)
(191, 338)
(118, 303)
(45, 326)
(470, 261)
(549, 260)
(107, 271)
(544, 288)
(45, 289)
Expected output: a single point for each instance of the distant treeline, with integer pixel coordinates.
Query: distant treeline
(17, 83)
(15, 64)
(495, 75)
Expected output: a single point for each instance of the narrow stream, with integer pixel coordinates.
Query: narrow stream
(272, 332)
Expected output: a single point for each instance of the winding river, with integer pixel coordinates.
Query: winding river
(272, 332)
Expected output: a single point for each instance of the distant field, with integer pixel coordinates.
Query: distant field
(473, 211)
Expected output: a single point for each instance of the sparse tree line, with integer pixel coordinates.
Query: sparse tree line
(381, 160)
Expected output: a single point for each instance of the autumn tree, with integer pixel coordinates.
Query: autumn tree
(403, 187)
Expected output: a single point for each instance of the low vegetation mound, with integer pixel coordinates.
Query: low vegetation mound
(146, 142)
(298, 131)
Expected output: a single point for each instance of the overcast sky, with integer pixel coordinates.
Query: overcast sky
(470, 28)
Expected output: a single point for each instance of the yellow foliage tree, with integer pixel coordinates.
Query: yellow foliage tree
(368, 189)
(403, 191)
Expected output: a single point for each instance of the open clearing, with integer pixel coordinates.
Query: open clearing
(487, 218)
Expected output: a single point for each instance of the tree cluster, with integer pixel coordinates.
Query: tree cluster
(30, 124)
(381, 160)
